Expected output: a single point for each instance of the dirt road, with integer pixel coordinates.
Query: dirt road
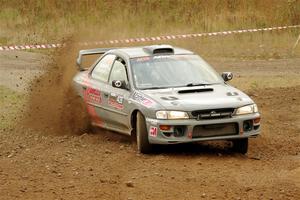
(39, 165)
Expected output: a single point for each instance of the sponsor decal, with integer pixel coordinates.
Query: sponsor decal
(160, 57)
(92, 95)
(116, 102)
(142, 99)
(153, 131)
(120, 99)
(143, 59)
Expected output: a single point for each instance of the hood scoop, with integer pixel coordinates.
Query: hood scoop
(196, 90)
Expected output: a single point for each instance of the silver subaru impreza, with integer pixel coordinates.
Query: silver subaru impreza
(164, 95)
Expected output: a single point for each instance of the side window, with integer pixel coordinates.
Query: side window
(102, 69)
(118, 72)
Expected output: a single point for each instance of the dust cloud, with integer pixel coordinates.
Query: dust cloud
(53, 105)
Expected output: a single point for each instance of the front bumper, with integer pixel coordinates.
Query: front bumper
(158, 136)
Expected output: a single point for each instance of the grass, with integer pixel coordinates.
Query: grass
(11, 103)
(43, 21)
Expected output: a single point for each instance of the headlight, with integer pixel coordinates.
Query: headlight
(171, 115)
(247, 110)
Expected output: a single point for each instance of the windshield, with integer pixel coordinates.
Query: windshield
(172, 71)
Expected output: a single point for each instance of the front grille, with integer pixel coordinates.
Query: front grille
(213, 113)
(215, 130)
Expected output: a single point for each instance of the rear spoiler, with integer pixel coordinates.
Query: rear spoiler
(89, 52)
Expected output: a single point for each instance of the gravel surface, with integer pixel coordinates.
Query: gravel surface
(39, 164)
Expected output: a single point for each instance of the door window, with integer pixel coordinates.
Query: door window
(118, 72)
(102, 69)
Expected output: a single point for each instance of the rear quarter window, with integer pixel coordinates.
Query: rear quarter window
(102, 69)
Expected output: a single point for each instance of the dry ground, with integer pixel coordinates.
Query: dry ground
(102, 165)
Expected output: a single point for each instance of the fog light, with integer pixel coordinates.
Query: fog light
(247, 126)
(178, 131)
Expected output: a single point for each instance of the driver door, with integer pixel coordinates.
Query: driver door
(118, 98)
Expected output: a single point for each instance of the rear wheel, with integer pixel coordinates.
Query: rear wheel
(240, 145)
(142, 140)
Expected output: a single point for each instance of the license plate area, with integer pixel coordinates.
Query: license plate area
(215, 130)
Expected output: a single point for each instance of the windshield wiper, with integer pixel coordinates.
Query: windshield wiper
(153, 88)
(187, 85)
(196, 84)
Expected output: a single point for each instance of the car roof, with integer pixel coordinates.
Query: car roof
(143, 51)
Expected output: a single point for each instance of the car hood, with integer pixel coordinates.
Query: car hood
(199, 97)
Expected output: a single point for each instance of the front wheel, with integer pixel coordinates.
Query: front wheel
(240, 145)
(142, 141)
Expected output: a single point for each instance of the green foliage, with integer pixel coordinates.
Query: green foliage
(57, 17)
(39, 21)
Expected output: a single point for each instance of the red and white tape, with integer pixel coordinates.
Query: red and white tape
(147, 39)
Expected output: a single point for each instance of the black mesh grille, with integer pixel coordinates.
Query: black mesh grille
(215, 130)
(213, 113)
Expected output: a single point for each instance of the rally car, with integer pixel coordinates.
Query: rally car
(164, 95)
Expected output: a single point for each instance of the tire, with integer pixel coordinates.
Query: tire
(240, 145)
(142, 140)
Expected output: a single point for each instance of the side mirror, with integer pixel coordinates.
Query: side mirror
(227, 76)
(119, 84)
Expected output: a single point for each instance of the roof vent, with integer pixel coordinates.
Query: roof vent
(159, 49)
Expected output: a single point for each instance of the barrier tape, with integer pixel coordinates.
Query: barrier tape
(145, 39)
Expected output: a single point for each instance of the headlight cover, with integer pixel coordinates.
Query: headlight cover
(247, 110)
(171, 115)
